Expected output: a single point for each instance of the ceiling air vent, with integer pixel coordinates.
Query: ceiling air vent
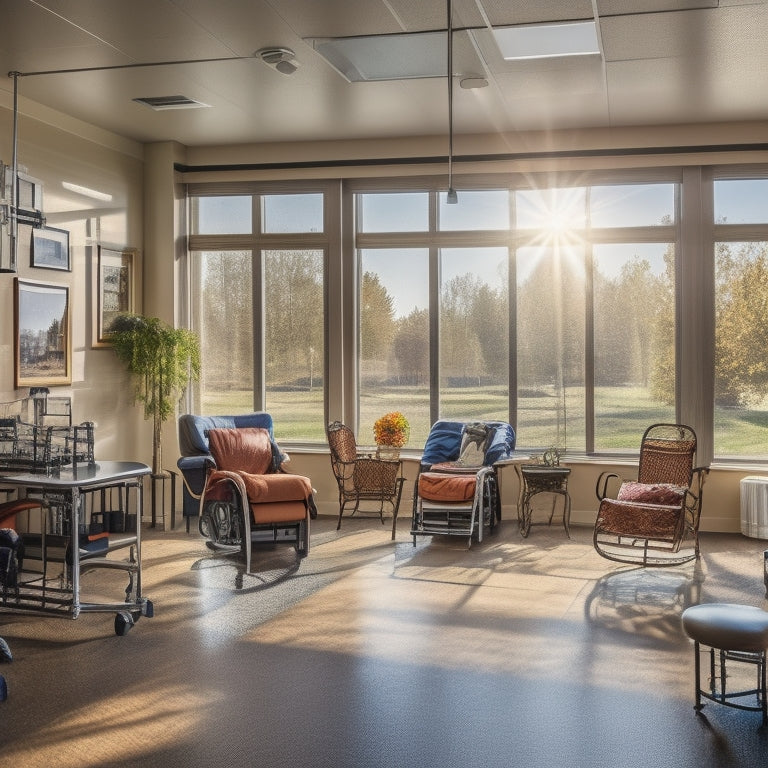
(170, 102)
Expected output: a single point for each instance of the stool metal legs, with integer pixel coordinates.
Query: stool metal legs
(718, 690)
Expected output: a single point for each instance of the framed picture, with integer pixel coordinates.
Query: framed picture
(42, 336)
(50, 249)
(115, 289)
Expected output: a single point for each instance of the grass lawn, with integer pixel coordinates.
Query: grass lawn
(622, 415)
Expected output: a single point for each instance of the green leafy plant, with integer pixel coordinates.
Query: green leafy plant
(162, 361)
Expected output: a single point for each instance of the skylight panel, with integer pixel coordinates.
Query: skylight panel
(538, 41)
(385, 57)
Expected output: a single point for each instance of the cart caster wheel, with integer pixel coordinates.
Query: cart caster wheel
(3, 689)
(123, 623)
(149, 609)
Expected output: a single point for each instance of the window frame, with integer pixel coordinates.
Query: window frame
(694, 233)
(257, 243)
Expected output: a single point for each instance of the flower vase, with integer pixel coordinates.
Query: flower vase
(387, 452)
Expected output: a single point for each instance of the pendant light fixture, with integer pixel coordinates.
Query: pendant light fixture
(451, 197)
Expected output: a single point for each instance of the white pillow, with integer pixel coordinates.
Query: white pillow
(474, 442)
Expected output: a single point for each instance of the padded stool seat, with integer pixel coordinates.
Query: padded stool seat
(740, 634)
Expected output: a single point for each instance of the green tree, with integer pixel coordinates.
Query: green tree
(550, 318)
(377, 319)
(460, 356)
(489, 315)
(293, 312)
(226, 314)
(411, 347)
(626, 313)
(741, 337)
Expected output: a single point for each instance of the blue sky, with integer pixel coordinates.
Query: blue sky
(553, 211)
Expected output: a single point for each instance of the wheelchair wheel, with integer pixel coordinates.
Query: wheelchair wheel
(3, 689)
(123, 622)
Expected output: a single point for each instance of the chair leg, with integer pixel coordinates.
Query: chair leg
(763, 689)
(697, 675)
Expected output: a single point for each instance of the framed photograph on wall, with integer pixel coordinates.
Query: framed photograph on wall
(50, 249)
(115, 288)
(42, 338)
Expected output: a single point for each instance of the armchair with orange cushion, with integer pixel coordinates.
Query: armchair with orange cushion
(246, 500)
(195, 453)
(457, 489)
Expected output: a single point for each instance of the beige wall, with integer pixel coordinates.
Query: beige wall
(147, 212)
(721, 509)
(54, 149)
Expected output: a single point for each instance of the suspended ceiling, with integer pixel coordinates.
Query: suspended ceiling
(661, 62)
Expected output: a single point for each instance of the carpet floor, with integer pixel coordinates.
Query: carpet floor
(376, 654)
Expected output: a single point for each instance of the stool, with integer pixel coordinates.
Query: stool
(739, 633)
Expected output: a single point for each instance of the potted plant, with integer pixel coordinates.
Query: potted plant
(162, 361)
(391, 432)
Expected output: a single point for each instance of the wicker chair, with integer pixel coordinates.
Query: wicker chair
(655, 519)
(363, 478)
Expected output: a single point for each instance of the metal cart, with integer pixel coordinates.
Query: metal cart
(73, 499)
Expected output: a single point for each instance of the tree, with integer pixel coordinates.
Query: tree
(377, 319)
(489, 315)
(293, 316)
(741, 338)
(226, 314)
(411, 347)
(460, 355)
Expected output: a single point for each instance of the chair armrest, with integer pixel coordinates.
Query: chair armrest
(696, 489)
(193, 472)
(601, 486)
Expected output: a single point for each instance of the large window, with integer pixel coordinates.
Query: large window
(394, 338)
(433, 312)
(222, 309)
(577, 282)
(257, 266)
(293, 341)
(580, 309)
(634, 340)
(741, 317)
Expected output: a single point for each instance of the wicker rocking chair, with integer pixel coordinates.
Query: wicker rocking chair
(363, 478)
(654, 520)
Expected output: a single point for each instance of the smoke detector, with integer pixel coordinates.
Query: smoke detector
(281, 59)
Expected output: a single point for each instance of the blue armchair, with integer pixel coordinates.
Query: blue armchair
(196, 455)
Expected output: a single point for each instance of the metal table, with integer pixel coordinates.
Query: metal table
(540, 478)
(64, 519)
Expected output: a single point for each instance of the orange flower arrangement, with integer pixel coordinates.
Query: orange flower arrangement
(392, 429)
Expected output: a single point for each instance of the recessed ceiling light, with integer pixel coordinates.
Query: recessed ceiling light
(385, 57)
(538, 41)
